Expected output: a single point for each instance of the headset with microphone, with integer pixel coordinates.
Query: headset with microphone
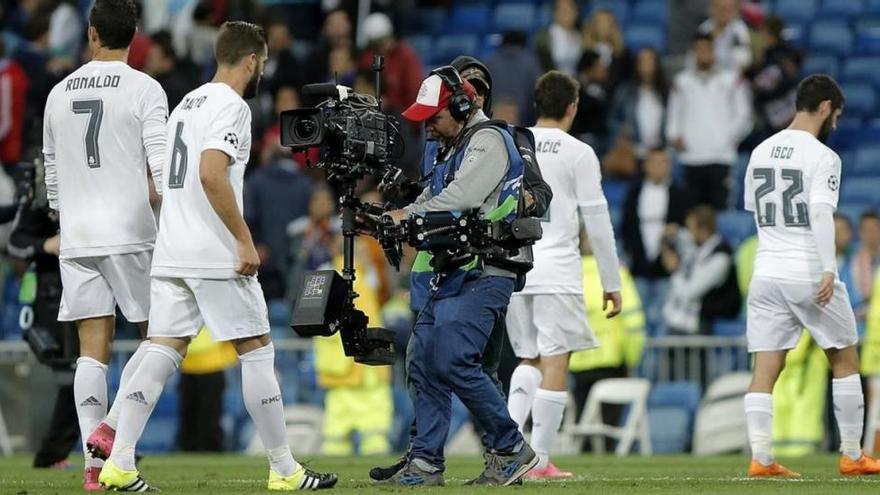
(460, 105)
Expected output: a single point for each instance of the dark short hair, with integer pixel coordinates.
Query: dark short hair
(238, 39)
(703, 37)
(704, 215)
(588, 60)
(774, 25)
(163, 41)
(554, 92)
(869, 215)
(116, 22)
(815, 89)
(843, 218)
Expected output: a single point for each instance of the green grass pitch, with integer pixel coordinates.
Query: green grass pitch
(680, 475)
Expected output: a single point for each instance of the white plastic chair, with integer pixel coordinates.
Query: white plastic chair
(632, 391)
(720, 426)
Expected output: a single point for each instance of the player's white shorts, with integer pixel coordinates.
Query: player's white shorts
(94, 285)
(231, 308)
(548, 325)
(779, 311)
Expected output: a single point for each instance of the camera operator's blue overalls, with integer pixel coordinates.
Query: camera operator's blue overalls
(456, 314)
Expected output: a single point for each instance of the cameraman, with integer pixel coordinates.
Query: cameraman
(537, 200)
(460, 298)
(35, 238)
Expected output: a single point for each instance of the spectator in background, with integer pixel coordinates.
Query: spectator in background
(66, 31)
(732, 42)
(276, 194)
(703, 286)
(843, 247)
(201, 36)
(709, 114)
(652, 212)
(176, 77)
(594, 105)
(313, 237)
(282, 67)
(603, 36)
(622, 338)
(639, 110)
(201, 386)
(775, 77)
(403, 69)
(560, 46)
(335, 34)
(515, 69)
(14, 85)
(865, 262)
(342, 66)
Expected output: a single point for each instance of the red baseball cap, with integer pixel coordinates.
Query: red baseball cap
(434, 95)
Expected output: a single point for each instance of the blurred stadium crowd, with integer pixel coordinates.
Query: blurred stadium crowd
(674, 94)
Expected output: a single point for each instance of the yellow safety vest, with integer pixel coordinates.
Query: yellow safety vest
(334, 368)
(206, 355)
(622, 338)
(871, 343)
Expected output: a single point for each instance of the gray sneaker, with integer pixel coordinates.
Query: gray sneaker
(506, 469)
(411, 474)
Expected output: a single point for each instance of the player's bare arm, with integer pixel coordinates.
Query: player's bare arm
(215, 181)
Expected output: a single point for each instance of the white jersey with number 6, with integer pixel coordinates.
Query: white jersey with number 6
(787, 174)
(102, 125)
(193, 242)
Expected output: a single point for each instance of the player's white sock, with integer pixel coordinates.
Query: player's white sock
(523, 384)
(546, 418)
(90, 394)
(158, 365)
(759, 420)
(134, 361)
(262, 398)
(849, 409)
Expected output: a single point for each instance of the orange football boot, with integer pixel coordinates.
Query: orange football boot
(865, 465)
(758, 470)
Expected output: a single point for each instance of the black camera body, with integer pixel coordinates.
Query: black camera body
(356, 139)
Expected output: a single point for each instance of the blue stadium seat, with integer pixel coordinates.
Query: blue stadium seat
(862, 191)
(832, 37)
(470, 18)
(729, 328)
(514, 17)
(840, 8)
(795, 33)
(622, 11)
(638, 36)
(868, 36)
(853, 211)
(735, 226)
(865, 69)
(423, 44)
(671, 409)
(429, 20)
(452, 45)
(872, 6)
(847, 134)
(796, 10)
(670, 430)
(821, 64)
(861, 100)
(650, 11)
(866, 161)
(615, 192)
(682, 394)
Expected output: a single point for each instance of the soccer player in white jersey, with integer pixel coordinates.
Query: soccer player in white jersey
(103, 125)
(547, 320)
(205, 265)
(792, 185)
